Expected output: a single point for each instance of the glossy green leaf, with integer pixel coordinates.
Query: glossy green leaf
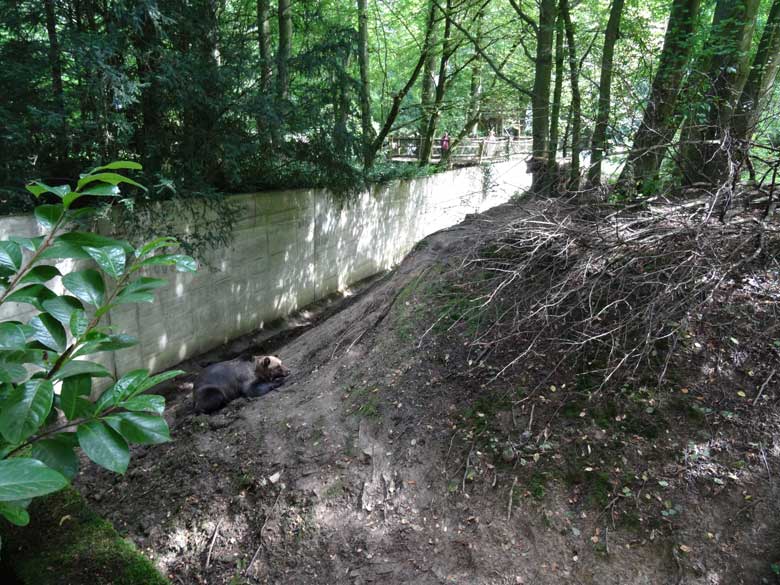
(61, 249)
(39, 275)
(37, 188)
(33, 294)
(110, 178)
(152, 381)
(146, 403)
(110, 258)
(49, 332)
(22, 478)
(30, 244)
(104, 446)
(121, 389)
(12, 336)
(78, 323)
(119, 164)
(182, 262)
(61, 308)
(102, 190)
(137, 297)
(48, 215)
(26, 356)
(74, 396)
(155, 244)
(140, 290)
(24, 409)
(12, 373)
(95, 240)
(86, 285)
(10, 255)
(58, 453)
(110, 343)
(14, 513)
(77, 367)
(142, 429)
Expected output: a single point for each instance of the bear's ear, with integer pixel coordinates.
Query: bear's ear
(266, 361)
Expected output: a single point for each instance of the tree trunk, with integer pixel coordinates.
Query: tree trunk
(399, 97)
(475, 89)
(576, 100)
(540, 100)
(426, 146)
(659, 122)
(599, 142)
(726, 72)
(55, 65)
(264, 43)
(285, 50)
(760, 82)
(365, 89)
(555, 113)
(428, 85)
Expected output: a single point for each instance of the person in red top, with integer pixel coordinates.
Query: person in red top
(445, 144)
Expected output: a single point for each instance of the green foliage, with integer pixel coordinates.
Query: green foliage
(37, 455)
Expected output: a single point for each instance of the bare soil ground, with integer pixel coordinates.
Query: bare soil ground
(393, 455)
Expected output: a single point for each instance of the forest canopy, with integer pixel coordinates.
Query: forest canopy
(220, 96)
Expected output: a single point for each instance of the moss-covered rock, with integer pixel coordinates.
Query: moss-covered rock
(66, 543)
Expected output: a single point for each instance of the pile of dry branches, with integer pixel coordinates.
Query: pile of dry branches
(615, 288)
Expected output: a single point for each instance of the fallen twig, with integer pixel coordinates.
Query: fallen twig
(511, 496)
(761, 390)
(213, 540)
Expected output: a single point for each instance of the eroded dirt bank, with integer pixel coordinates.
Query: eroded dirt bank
(391, 456)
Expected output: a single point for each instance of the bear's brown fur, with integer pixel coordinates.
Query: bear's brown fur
(225, 381)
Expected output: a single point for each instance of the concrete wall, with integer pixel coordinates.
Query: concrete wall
(291, 248)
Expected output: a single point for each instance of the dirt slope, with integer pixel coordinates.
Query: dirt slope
(371, 465)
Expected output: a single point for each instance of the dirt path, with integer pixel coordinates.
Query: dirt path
(354, 472)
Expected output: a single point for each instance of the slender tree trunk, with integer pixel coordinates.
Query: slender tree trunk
(540, 100)
(428, 85)
(398, 98)
(726, 73)
(660, 122)
(555, 113)
(265, 128)
(576, 99)
(55, 65)
(426, 146)
(365, 89)
(285, 50)
(264, 43)
(760, 82)
(599, 142)
(475, 89)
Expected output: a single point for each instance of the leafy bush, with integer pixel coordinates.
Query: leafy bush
(39, 427)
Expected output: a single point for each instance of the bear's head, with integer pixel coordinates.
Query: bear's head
(270, 367)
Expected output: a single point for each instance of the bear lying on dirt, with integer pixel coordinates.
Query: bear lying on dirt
(225, 381)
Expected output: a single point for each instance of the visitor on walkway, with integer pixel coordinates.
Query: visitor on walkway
(445, 144)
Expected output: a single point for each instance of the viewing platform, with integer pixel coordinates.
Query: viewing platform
(468, 151)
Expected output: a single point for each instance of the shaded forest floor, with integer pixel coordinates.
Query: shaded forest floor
(394, 455)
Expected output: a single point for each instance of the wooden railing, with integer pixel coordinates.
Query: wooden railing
(467, 151)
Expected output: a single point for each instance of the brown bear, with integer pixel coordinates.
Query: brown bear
(225, 381)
